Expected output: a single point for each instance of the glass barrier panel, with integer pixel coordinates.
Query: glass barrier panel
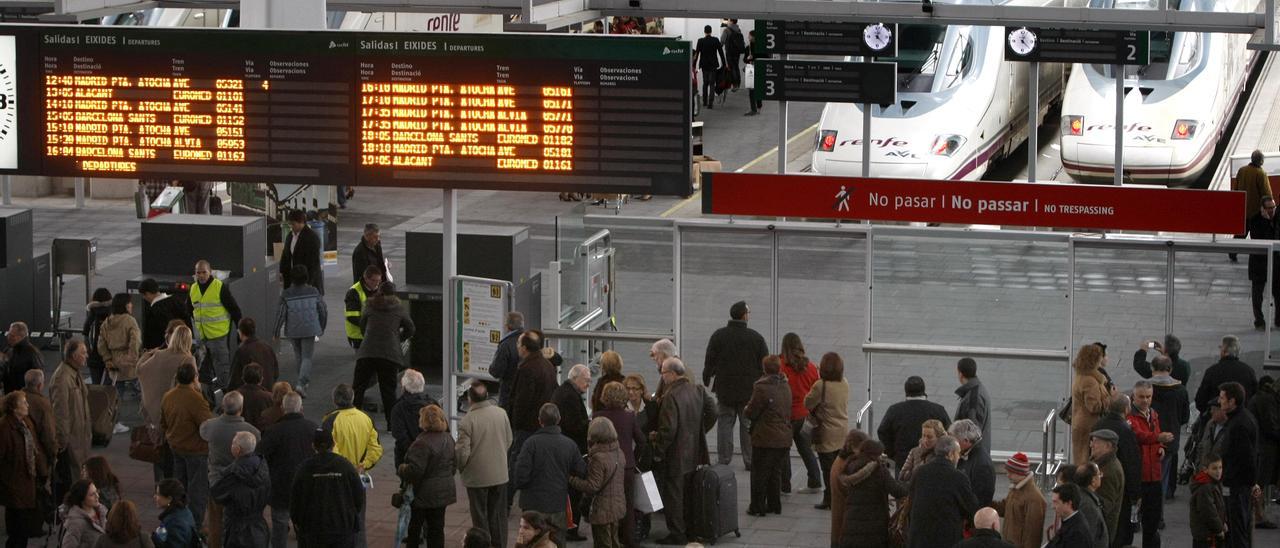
(822, 297)
(720, 268)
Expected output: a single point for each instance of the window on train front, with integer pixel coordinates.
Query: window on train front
(917, 59)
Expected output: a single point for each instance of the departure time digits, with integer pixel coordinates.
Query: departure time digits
(416, 125)
(111, 123)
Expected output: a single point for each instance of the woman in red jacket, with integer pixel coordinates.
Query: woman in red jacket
(801, 374)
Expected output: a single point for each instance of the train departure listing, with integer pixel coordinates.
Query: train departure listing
(462, 111)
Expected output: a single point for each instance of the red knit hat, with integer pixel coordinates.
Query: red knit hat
(1018, 464)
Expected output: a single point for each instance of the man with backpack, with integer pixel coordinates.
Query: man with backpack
(735, 45)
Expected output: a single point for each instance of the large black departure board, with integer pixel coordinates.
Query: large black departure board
(510, 112)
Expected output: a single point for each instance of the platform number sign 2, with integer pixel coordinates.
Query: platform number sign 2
(8, 104)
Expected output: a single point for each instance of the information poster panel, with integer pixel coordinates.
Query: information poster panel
(481, 306)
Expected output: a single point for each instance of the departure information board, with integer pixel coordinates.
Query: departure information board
(510, 112)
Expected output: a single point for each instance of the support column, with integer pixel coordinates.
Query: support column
(449, 268)
(283, 14)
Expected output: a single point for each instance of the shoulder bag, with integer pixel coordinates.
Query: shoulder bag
(813, 423)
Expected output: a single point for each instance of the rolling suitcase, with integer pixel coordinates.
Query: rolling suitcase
(712, 503)
(102, 413)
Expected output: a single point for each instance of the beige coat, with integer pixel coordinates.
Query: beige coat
(484, 436)
(1255, 184)
(70, 397)
(120, 345)
(1089, 398)
(1023, 511)
(834, 410)
(156, 370)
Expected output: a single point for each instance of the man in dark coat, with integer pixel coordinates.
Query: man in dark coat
(1239, 464)
(253, 350)
(731, 367)
(23, 357)
(327, 498)
(941, 500)
(573, 409)
(543, 468)
(1228, 369)
(243, 490)
(368, 252)
(1265, 407)
(986, 531)
(40, 411)
(285, 445)
(975, 462)
(404, 414)
(1127, 452)
(1074, 531)
(1263, 225)
(257, 399)
(975, 403)
(507, 358)
(899, 430)
(302, 247)
(1172, 348)
(161, 309)
(686, 413)
(533, 385)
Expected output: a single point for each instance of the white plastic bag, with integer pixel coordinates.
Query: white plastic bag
(648, 500)
(749, 76)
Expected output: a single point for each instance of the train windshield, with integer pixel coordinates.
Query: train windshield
(926, 63)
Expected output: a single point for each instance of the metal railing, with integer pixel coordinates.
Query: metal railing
(1049, 458)
(868, 411)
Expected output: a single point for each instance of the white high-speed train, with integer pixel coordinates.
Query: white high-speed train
(960, 105)
(1175, 109)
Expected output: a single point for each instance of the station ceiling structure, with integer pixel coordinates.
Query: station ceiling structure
(547, 15)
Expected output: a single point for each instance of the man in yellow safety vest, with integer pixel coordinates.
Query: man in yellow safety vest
(213, 313)
(355, 299)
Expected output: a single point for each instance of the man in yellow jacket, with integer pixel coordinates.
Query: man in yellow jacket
(213, 312)
(354, 438)
(1253, 180)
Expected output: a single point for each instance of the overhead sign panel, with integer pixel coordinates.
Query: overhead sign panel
(1107, 47)
(827, 81)
(826, 38)
(507, 112)
(993, 203)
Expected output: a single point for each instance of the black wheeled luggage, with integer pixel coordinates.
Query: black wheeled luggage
(711, 503)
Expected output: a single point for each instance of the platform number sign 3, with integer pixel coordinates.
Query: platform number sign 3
(8, 104)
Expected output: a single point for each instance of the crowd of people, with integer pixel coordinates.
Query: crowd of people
(228, 439)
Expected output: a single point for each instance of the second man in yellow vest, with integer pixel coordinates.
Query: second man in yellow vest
(213, 312)
(355, 299)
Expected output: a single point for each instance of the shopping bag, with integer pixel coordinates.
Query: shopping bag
(749, 76)
(402, 521)
(648, 500)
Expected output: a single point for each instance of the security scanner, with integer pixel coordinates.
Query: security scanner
(24, 276)
(484, 251)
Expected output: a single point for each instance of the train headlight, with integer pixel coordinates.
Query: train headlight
(1073, 125)
(1184, 129)
(827, 140)
(946, 145)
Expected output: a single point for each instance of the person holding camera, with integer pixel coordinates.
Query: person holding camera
(1172, 348)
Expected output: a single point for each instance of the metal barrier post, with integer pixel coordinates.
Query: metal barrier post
(868, 411)
(1048, 454)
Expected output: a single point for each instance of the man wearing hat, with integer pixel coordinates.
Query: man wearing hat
(327, 498)
(1102, 451)
(1023, 509)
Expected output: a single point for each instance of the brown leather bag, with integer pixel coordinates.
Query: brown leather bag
(147, 444)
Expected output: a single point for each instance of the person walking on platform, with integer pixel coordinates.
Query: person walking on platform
(1264, 225)
(754, 95)
(734, 45)
(301, 248)
(354, 302)
(367, 253)
(771, 436)
(1253, 180)
(975, 403)
(732, 365)
(708, 56)
(213, 312)
(302, 317)
(72, 427)
(120, 345)
(686, 413)
(386, 325)
(94, 314)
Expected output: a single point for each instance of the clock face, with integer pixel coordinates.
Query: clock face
(8, 104)
(877, 36)
(1022, 41)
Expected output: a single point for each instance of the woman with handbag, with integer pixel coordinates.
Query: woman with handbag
(801, 376)
(770, 413)
(827, 403)
(120, 344)
(429, 468)
(604, 481)
(1090, 395)
(869, 486)
(21, 455)
(848, 452)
